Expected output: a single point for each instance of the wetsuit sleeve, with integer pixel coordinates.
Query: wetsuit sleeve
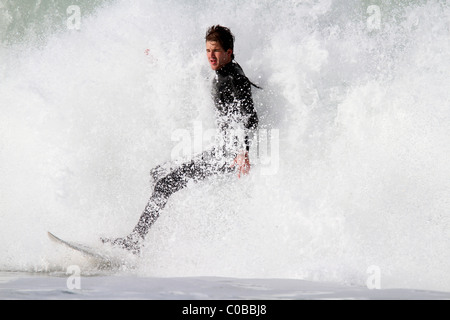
(244, 100)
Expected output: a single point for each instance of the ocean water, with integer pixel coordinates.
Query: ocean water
(353, 163)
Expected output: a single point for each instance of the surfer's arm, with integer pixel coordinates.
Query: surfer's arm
(243, 98)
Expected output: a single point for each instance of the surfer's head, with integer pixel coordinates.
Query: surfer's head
(219, 46)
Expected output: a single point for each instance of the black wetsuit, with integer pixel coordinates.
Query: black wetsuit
(235, 112)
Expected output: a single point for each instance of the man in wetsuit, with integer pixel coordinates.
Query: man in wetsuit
(236, 120)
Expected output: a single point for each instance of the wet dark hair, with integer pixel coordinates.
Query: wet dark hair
(223, 36)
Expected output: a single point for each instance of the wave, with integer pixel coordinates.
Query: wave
(355, 98)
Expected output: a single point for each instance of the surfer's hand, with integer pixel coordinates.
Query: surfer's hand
(242, 163)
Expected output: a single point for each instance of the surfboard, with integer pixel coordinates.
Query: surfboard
(105, 260)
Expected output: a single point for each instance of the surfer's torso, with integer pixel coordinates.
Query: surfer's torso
(232, 96)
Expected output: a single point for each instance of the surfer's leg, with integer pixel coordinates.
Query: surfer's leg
(164, 187)
(174, 181)
(196, 170)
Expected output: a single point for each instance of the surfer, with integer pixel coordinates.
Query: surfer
(236, 121)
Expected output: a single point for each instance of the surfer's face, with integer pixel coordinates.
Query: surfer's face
(217, 57)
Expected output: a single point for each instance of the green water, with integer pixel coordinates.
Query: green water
(34, 19)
